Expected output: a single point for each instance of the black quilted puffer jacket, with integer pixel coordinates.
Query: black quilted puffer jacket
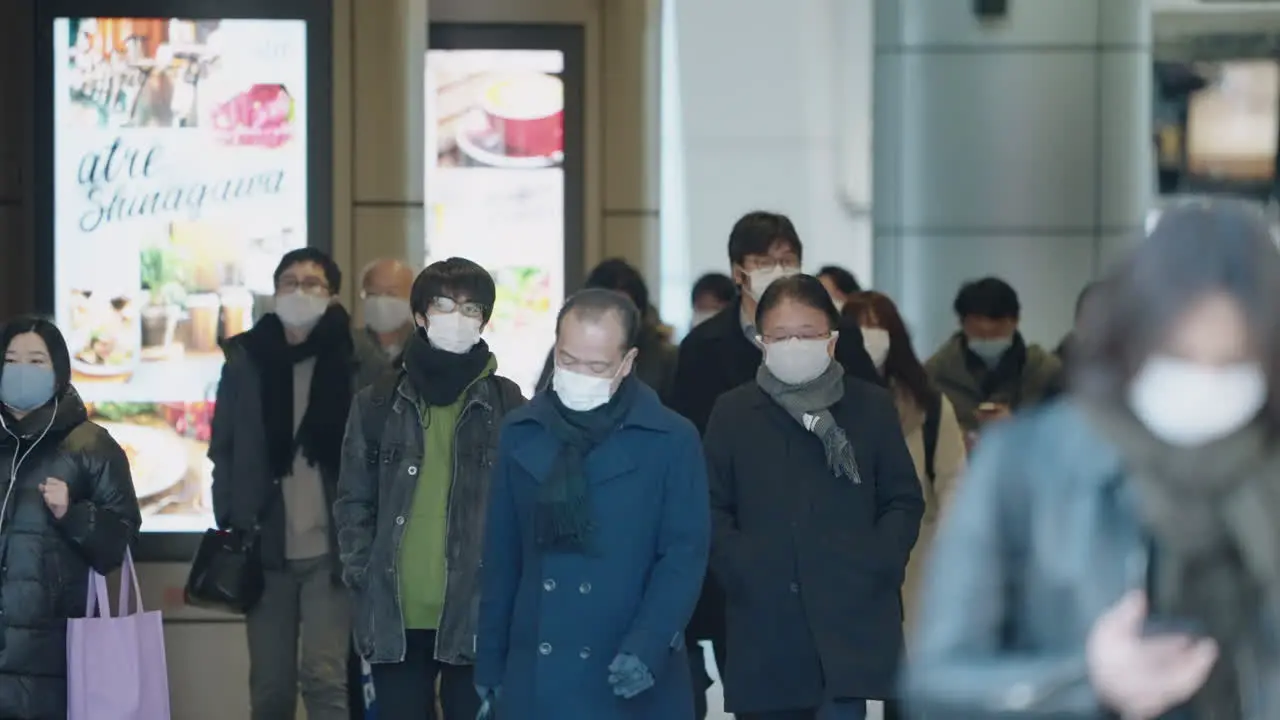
(44, 562)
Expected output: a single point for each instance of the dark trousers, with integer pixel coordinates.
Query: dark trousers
(407, 690)
(698, 670)
(355, 688)
(839, 710)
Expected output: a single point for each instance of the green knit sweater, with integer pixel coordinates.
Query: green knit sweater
(423, 567)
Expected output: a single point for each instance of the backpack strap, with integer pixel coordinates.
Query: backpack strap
(374, 414)
(932, 419)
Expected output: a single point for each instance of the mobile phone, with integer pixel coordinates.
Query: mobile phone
(1157, 625)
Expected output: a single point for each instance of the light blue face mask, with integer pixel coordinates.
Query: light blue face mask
(25, 387)
(990, 350)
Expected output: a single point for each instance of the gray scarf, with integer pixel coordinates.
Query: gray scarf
(810, 405)
(1214, 513)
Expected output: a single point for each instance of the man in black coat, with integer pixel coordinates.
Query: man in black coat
(723, 353)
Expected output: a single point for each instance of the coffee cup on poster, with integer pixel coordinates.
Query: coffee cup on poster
(527, 112)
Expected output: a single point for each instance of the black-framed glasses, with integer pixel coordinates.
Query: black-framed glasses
(767, 263)
(447, 305)
(770, 339)
(309, 285)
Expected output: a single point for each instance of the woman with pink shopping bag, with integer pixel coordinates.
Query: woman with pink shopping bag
(115, 664)
(67, 504)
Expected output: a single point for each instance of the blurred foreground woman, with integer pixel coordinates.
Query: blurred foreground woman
(1118, 554)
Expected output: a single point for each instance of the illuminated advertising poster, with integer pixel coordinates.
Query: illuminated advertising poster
(180, 173)
(495, 188)
(1233, 125)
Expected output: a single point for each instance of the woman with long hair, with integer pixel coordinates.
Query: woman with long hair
(68, 505)
(1118, 553)
(929, 423)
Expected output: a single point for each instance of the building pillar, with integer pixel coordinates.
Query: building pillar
(1018, 147)
(379, 85)
(632, 66)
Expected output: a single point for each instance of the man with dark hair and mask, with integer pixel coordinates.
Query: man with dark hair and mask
(411, 502)
(597, 537)
(986, 369)
(275, 445)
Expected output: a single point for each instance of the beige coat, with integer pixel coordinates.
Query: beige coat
(948, 464)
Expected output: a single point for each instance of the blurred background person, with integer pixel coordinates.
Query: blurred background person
(384, 298)
(656, 361)
(276, 448)
(724, 352)
(711, 293)
(928, 421)
(1117, 553)
(815, 507)
(69, 505)
(840, 284)
(986, 369)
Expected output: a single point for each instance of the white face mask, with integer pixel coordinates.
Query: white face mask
(453, 332)
(1188, 404)
(581, 392)
(796, 361)
(762, 279)
(300, 309)
(385, 314)
(876, 340)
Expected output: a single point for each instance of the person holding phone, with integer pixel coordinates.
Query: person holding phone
(1117, 553)
(987, 369)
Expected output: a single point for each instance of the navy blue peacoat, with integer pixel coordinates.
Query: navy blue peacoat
(551, 623)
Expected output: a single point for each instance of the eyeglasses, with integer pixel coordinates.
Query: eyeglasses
(767, 263)
(770, 339)
(447, 305)
(310, 285)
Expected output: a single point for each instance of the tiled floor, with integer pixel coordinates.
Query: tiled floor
(715, 698)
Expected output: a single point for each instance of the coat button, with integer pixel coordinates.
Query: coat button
(400, 520)
(795, 587)
(545, 648)
(413, 469)
(548, 584)
(584, 653)
(584, 588)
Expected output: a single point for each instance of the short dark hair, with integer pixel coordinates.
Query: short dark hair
(717, 285)
(59, 356)
(989, 297)
(332, 273)
(618, 274)
(1199, 247)
(757, 231)
(844, 280)
(804, 289)
(593, 304)
(450, 278)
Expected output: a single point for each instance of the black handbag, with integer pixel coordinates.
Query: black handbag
(226, 573)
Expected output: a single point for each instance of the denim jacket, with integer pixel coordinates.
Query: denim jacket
(1042, 539)
(375, 490)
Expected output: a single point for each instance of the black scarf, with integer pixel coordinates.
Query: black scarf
(319, 435)
(1006, 371)
(564, 510)
(438, 375)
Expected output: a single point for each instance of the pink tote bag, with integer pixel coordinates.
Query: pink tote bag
(115, 665)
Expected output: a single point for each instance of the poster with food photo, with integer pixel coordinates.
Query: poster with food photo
(495, 185)
(180, 179)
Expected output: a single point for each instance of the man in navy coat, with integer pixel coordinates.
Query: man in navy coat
(597, 537)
